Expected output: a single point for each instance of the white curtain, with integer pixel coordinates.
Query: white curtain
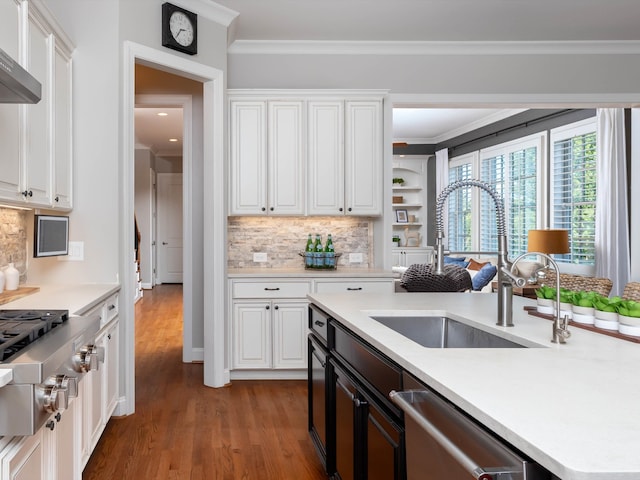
(612, 229)
(442, 180)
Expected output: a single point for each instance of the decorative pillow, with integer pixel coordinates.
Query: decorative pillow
(460, 261)
(473, 265)
(484, 276)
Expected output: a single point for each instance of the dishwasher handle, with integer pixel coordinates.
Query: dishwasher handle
(475, 470)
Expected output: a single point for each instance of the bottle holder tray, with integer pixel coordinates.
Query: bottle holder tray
(320, 260)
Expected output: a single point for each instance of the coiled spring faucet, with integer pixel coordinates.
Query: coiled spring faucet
(506, 279)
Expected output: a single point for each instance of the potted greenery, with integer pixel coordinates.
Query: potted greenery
(398, 181)
(606, 312)
(583, 309)
(396, 240)
(629, 317)
(566, 303)
(545, 296)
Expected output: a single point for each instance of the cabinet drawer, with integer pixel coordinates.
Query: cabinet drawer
(270, 289)
(110, 308)
(367, 286)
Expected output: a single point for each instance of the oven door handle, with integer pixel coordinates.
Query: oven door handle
(475, 470)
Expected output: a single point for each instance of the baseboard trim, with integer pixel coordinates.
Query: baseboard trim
(268, 375)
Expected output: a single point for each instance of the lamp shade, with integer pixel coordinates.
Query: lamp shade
(548, 241)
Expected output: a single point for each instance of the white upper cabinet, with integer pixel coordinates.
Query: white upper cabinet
(35, 139)
(62, 150)
(363, 158)
(10, 145)
(39, 155)
(267, 167)
(248, 148)
(285, 163)
(305, 153)
(325, 150)
(345, 157)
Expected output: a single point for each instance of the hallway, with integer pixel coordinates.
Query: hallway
(184, 430)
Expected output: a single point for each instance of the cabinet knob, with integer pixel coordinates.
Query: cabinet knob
(267, 307)
(50, 425)
(57, 199)
(350, 208)
(271, 209)
(276, 307)
(340, 209)
(264, 209)
(27, 193)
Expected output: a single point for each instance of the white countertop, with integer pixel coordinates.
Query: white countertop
(75, 298)
(574, 408)
(340, 272)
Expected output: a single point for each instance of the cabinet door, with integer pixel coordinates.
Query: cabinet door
(418, 256)
(62, 153)
(363, 158)
(110, 377)
(248, 150)
(65, 451)
(251, 335)
(286, 158)
(10, 172)
(325, 156)
(38, 162)
(93, 404)
(25, 460)
(385, 445)
(290, 334)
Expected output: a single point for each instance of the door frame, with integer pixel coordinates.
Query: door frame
(214, 208)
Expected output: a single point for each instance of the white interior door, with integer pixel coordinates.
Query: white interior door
(169, 243)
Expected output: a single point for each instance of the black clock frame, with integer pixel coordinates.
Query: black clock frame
(167, 38)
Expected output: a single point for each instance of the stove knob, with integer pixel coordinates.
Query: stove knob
(52, 398)
(88, 358)
(65, 382)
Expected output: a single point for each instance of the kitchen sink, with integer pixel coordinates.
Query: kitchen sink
(443, 332)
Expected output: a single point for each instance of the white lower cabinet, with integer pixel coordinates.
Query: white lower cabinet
(50, 454)
(269, 328)
(269, 334)
(24, 458)
(101, 386)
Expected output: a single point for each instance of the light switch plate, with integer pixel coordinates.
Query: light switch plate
(76, 253)
(260, 257)
(355, 258)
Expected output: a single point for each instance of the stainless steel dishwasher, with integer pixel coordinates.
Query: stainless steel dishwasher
(444, 443)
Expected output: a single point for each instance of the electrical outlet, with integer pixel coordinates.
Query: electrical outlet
(355, 258)
(260, 257)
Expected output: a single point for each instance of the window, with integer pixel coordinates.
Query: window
(537, 193)
(513, 170)
(459, 213)
(573, 189)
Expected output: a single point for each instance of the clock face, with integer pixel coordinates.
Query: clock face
(181, 28)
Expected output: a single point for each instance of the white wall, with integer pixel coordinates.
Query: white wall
(93, 27)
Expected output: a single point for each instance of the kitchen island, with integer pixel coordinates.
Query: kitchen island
(573, 408)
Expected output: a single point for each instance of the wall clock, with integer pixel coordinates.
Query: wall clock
(179, 29)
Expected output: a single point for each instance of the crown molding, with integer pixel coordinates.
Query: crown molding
(210, 10)
(312, 47)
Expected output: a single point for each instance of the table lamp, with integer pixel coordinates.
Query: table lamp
(548, 241)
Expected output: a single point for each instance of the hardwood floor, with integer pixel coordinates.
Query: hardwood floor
(184, 430)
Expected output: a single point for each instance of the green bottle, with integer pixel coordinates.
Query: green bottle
(308, 259)
(329, 253)
(318, 255)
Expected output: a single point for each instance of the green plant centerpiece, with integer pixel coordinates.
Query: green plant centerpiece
(629, 313)
(398, 180)
(583, 309)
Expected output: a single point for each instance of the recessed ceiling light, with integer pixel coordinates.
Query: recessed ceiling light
(173, 139)
(162, 114)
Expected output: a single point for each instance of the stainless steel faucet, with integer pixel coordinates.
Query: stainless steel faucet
(506, 278)
(560, 332)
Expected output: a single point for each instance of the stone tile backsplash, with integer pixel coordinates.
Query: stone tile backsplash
(283, 237)
(13, 237)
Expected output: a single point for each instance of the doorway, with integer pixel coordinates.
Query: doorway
(204, 268)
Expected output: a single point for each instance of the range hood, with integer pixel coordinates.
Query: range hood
(16, 84)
